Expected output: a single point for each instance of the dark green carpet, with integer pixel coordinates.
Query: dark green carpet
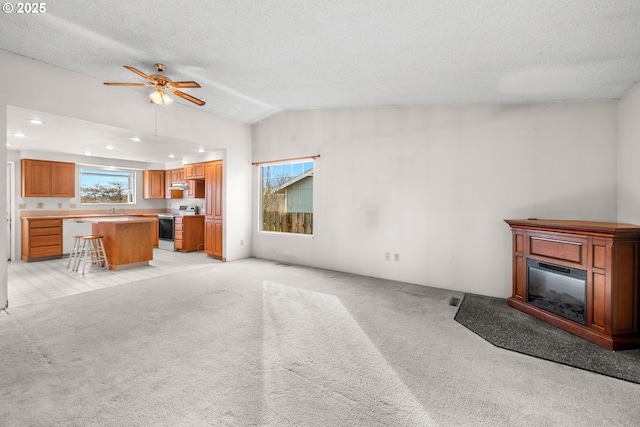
(506, 327)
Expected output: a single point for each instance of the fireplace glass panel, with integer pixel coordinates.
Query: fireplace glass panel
(557, 289)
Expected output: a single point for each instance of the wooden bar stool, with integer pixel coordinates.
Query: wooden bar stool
(93, 252)
(74, 255)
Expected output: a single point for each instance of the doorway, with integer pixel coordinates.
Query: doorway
(11, 208)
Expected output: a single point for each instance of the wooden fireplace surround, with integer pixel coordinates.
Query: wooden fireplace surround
(608, 252)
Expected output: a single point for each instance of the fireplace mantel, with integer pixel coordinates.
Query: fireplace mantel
(610, 255)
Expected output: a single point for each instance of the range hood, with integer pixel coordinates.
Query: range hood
(178, 186)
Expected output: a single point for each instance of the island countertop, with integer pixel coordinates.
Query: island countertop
(127, 239)
(114, 219)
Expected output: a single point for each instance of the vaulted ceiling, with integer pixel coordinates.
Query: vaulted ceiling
(255, 58)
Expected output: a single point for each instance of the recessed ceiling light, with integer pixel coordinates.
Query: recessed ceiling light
(200, 150)
(87, 153)
(19, 135)
(109, 147)
(36, 121)
(135, 139)
(8, 144)
(171, 155)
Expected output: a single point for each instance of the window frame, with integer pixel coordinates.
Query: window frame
(261, 194)
(132, 181)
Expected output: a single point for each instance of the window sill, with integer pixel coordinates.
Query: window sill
(279, 233)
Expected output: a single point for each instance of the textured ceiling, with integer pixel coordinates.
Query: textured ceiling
(255, 58)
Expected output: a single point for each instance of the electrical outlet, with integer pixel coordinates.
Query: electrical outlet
(59, 205)
(396, 257)
(40, 205)
(387, 256)
(72, 205)
(241, 242)
(22, 206)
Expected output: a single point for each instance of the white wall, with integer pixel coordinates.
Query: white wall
(629, 185)
(3, 204)
(434, 184)
(30, 84)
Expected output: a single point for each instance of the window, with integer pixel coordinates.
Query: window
(107, 186)
(287, 197)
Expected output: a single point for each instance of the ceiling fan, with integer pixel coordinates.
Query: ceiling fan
(162, 83)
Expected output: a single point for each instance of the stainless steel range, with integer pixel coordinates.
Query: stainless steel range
(167, 226)
(189, 210)
(166, 232)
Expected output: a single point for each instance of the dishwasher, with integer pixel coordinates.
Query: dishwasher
(70, 228)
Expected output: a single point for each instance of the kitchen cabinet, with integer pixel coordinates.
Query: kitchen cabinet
(153, 184)
(169, 192)
(189, 233)
(41, 178)
(195, 188)
(213, 209)
(194, 171)
(41, 239)
(177, 176)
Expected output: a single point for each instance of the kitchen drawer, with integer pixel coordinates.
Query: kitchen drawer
(38, 241)
(178, 244)
(45, 251)
(178, 226)
(42, 223)
(48, 231)
(178, 235)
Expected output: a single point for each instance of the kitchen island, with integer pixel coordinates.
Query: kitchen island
(128, 240)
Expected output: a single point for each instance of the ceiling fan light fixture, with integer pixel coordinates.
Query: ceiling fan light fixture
(159, 97)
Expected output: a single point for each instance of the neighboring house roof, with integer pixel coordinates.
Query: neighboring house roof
(292, 181)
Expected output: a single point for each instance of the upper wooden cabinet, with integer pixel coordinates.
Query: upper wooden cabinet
(153, 184)
(177, 176)
(194, 171)
(172, 176)
(42, 178)
(195, 188)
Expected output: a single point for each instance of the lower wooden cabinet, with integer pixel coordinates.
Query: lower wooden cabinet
(189, 233)
(213, 209)
(41, 239)
(213, 239)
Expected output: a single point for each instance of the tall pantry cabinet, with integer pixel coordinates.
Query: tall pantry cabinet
(213, 209)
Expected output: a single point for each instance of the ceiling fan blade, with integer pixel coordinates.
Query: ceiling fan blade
(126, 84)
(141, 74)
(181, 85)
(188, 97)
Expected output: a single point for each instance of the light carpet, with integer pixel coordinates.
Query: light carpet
(253, 343)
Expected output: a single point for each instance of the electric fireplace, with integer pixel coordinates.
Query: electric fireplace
(557, 289)
(580, 276)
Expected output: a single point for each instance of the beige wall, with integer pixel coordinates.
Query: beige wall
(434, 184)
(629, 185)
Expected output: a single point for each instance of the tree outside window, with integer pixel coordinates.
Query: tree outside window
(287, 197)
(107, 186)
